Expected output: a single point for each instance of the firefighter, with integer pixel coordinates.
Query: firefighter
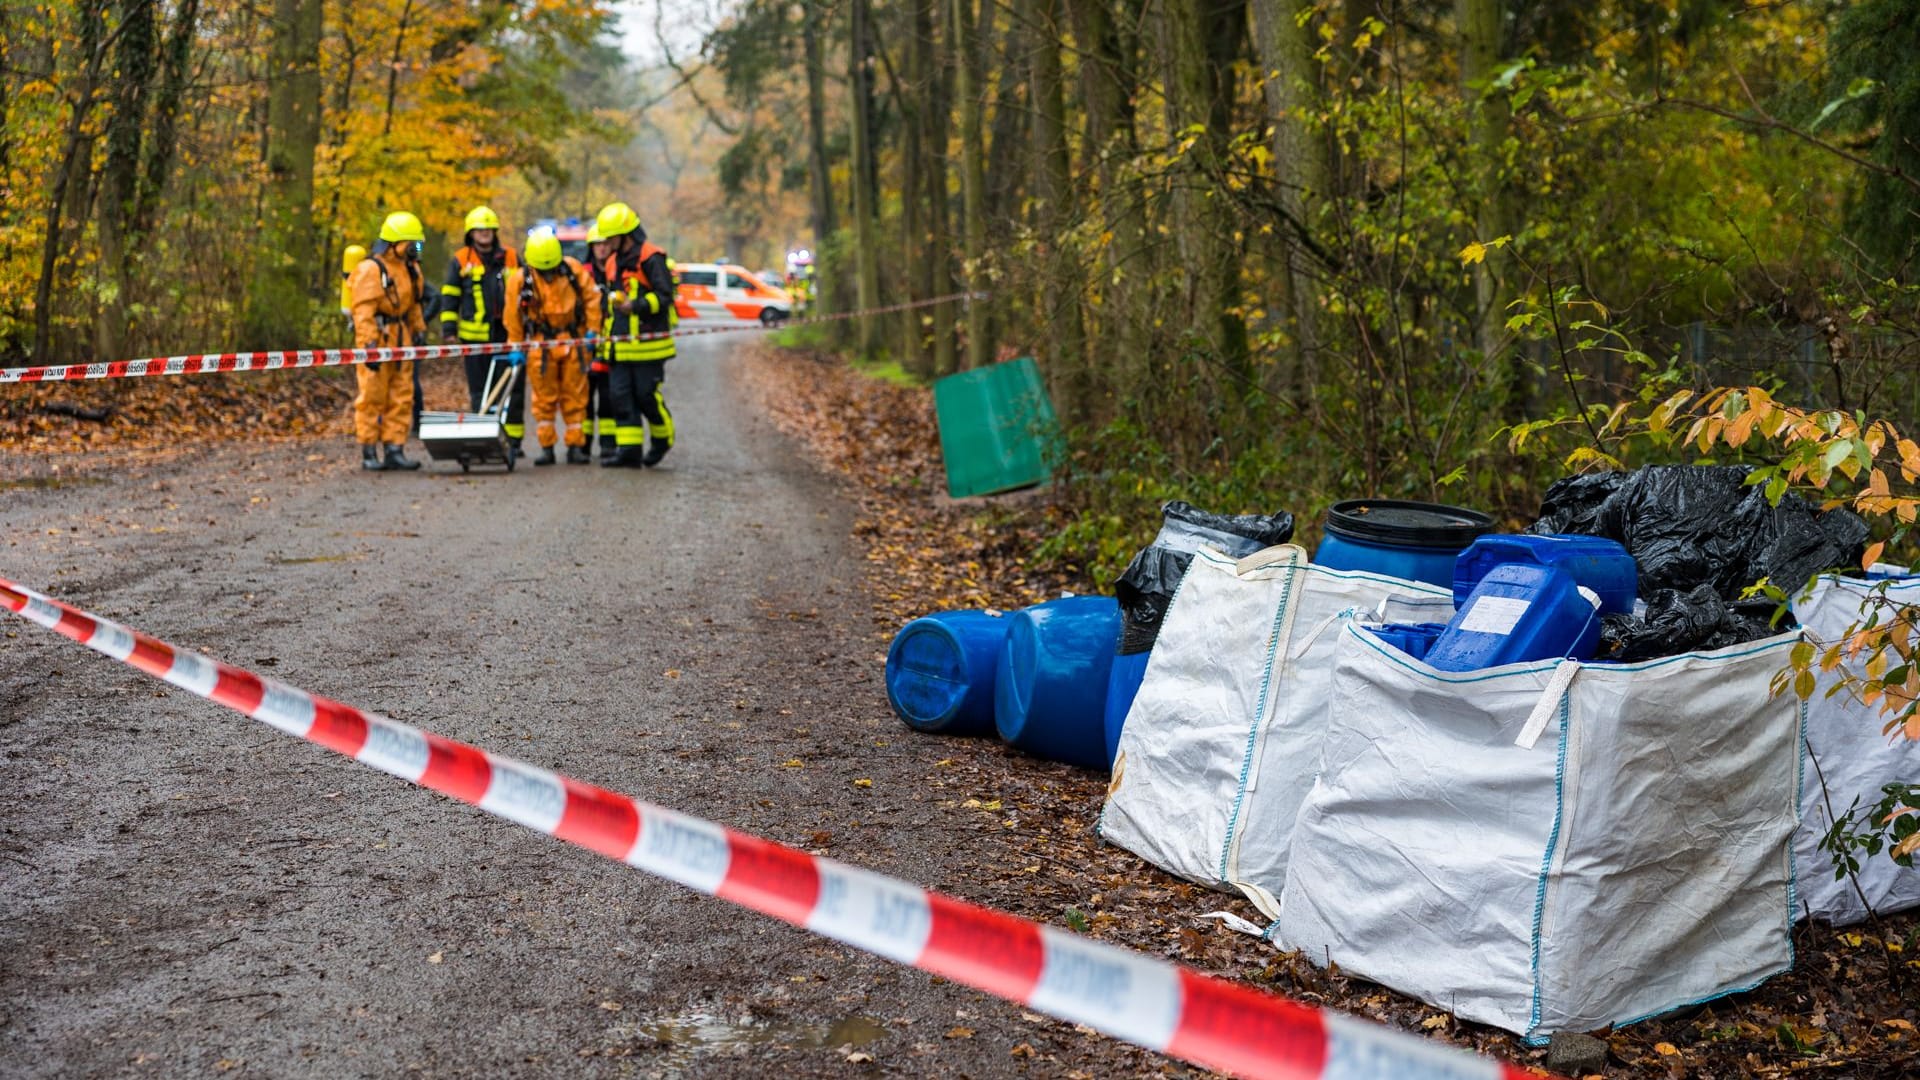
(641, 303)
(553, 298)
(470, 305)
(600, 405)
(386, 291)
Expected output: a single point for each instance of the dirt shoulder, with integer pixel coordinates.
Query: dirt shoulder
(1841, 1011)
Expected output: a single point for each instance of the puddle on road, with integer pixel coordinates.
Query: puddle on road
(683, 1039)
(49, 483)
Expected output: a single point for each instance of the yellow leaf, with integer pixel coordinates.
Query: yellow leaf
(1473, 253)
(863, 782)
(1433, 1022)
(1666, 1049)
(792, 763)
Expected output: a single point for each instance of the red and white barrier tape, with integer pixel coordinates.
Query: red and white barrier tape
(1129, 996)
(286, 359)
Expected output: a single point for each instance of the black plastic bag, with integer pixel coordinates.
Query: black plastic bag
(1700, 536)
(1689, 525)
(1695, 621)
(1145, 588)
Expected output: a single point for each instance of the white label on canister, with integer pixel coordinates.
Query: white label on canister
(1494, 615)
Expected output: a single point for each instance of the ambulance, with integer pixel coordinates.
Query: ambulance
(723, 293)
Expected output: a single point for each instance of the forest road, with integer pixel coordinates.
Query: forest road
(185, 892)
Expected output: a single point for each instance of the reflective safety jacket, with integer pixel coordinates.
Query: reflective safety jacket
(475, 293)
(643, 277)
(386, 301)
(559, 303)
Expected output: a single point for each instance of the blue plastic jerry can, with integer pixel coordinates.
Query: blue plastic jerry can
(1520, 612)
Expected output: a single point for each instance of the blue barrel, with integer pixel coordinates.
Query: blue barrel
(1049, 696)
(940, 671)
(1412, 541)
(1123, 683)
(1520, 612)
(1596, 562)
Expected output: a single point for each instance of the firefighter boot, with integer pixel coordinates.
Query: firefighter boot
(577, 455)
(370, 457)
(546, 456)
(397, 458)
(627, 457)
(655, 452)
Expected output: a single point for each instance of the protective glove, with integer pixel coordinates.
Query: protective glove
(598, 367)
(448, 335)
(516, 358)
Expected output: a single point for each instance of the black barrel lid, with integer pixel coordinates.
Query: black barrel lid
(1399, 523)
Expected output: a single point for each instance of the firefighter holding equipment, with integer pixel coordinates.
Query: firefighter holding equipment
(471, 305)
(387, 313)
(553, 298)
(600, 405)
(641, 303)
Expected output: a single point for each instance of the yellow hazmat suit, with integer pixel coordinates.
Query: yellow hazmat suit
(386, 312)
(544, 305)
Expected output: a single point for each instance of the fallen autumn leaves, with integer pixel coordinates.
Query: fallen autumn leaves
(1848, 1009)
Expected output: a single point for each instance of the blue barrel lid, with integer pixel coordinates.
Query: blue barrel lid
(926, 673)
(1399, 523)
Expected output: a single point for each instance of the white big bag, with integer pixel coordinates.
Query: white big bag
(1551, 846)
(1222, 741)
(1848, 759)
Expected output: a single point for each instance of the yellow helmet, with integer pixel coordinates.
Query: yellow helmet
(351, 257)
(401, 226)
(593, 234)
(543, 250)
(616, 219)
(481, 218)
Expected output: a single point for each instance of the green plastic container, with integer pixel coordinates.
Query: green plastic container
(998, 431)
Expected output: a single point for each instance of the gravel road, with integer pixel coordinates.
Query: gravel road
(186, 892)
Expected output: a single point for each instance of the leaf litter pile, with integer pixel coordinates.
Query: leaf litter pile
(152, 418)
(1848, 1009)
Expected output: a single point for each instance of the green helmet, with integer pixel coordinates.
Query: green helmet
(616, 219)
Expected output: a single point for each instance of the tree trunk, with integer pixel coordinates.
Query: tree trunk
(1202, 222)
(1480, 30)
(120, 176)
(819, 180)
(1107, 91)
(1286, 47)
(973, 180)
(61, 194)
(1060, 322)
(280, 296)
(163, 141)
(1009, 150)
(867, 252)
(936, 119)
(913, 161)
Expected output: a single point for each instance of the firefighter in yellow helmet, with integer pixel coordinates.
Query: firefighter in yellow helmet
(599, 403)
(471, 302)
(386, 293)
(641, 304)
(553, 298)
